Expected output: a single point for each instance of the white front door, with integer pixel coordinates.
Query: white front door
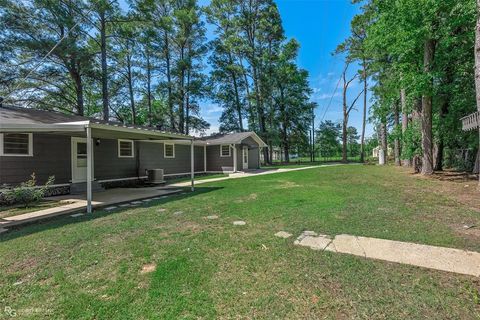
(79, 160)
(245, 158)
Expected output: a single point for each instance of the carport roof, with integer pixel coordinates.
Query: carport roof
(34, 120)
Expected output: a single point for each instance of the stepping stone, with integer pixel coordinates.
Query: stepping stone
(283, 234)
(212, 217)
(177, 213)
(161, 210)
(125, 205)
(316, 243)
(76, 215)
(309, 233)
(110, 208)
(156, 198)
(239, 223)
(136, 202)
(147, 200)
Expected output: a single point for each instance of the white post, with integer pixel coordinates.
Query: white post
(234, 158)
(205, 158)
(89, 168)
(192, 163)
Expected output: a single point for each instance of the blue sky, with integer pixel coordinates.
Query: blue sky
(319, 26)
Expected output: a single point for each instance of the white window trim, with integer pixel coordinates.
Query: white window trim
(164, 149)
(133, 148)
(229, 151)
(30, 147)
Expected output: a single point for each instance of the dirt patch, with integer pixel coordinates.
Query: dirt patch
(148, 268)
(287, 185)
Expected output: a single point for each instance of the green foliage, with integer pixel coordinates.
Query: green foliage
(392, 37)
(28, 193)
(328, 138)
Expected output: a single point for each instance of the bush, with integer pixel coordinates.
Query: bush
(27, 193)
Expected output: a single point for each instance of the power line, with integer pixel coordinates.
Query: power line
(331, 98)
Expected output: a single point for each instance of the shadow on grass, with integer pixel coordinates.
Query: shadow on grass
(60, 221)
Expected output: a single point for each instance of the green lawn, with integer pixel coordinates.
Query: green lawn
(10, 211)
(90, 268)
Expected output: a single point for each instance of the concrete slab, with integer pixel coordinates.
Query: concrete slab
(283, 234)
(239, 223)
(315, 243)
(420, 255)
(252, 173)
(110, 208)
(75, 203)
(77, 215)
(213, 217)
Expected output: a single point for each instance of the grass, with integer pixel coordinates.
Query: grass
(10, 211)
(91, 267)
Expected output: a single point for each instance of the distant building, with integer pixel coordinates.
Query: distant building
(376, 151)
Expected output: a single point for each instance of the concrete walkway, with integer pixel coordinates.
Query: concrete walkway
(253, 173)
(77, 203)
(438, 258)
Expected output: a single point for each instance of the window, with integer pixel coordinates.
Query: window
(225, 150)
(168, 150)
(16, 144)
(125, 149)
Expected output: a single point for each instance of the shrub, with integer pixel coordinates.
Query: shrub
(27, 193)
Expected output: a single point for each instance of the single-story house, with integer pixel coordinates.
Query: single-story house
(78, 150)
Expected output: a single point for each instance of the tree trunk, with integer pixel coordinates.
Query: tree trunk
(103, 49)
(403, 102)
(345, 119)
(396, 117)
(130, 90)
(477, 62)
(427, 143)
(181, 103)
(364, 119)
(187, 105)
(169, 81)
(77, 79)
(383, 141)
(260, 112)
(149, 87)
(237, 95)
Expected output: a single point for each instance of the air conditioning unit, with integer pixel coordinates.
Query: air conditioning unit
(155, 176)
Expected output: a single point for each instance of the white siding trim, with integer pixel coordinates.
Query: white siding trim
(165, 154)
(131, 143)
(229, 150)
(30, 146)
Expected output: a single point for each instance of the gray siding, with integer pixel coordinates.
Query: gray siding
(217, 163)
(151, 157)
(51, 156)
(107, 164)
(254, 158)
(253, 153)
